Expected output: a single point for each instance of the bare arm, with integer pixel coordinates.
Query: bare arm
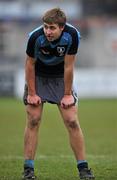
(68, 73)
(30, 75)
(30, 79)
(68, 99)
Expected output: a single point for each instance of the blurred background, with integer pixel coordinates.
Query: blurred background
(96, 65)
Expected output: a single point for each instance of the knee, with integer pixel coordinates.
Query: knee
(72, 123)
(33, 120)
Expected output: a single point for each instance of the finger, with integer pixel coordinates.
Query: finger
(30, 102)
(64, 106)
(38, 102)
(72, 104)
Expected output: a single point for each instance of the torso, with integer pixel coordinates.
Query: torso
(49, 56)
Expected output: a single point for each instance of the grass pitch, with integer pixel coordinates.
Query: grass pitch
(54, 158)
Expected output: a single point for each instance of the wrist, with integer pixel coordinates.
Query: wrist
(67, 94)
(31, 93)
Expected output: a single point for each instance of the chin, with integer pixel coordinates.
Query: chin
(49, 39)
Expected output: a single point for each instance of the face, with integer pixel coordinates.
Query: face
(52, 31)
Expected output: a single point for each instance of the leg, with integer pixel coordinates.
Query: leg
(76, 140)
(75, 133)
(30, 139)
(31, 130)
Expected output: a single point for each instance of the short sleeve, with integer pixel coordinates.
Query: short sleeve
(75, 42)
(31, 46)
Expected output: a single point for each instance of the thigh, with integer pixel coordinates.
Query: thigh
(69, 114)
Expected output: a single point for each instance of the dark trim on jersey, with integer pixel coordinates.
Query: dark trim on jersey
(31, 42)
(75, 38)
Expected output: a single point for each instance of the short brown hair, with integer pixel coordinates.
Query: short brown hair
(56, 16)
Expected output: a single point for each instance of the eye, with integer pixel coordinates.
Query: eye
(52, 28)
(45, 27)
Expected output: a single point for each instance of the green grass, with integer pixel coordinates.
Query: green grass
(54, 158)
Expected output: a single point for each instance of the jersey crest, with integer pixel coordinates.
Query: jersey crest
(61, 50)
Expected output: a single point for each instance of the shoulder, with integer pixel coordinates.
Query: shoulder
(73, 37)
(71, 30)
(33, 35)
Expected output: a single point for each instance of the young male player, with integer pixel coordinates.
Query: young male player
(49, 68)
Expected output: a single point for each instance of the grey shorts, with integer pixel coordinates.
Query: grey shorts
(49, 90)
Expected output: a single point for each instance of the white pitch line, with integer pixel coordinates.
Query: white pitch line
(61, 156)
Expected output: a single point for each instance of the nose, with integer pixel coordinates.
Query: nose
(48, 31)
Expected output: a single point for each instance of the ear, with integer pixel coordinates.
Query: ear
(61, 28)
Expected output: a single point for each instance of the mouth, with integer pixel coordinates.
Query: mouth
(50, 37)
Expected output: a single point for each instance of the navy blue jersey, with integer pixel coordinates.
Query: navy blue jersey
(49, 56)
